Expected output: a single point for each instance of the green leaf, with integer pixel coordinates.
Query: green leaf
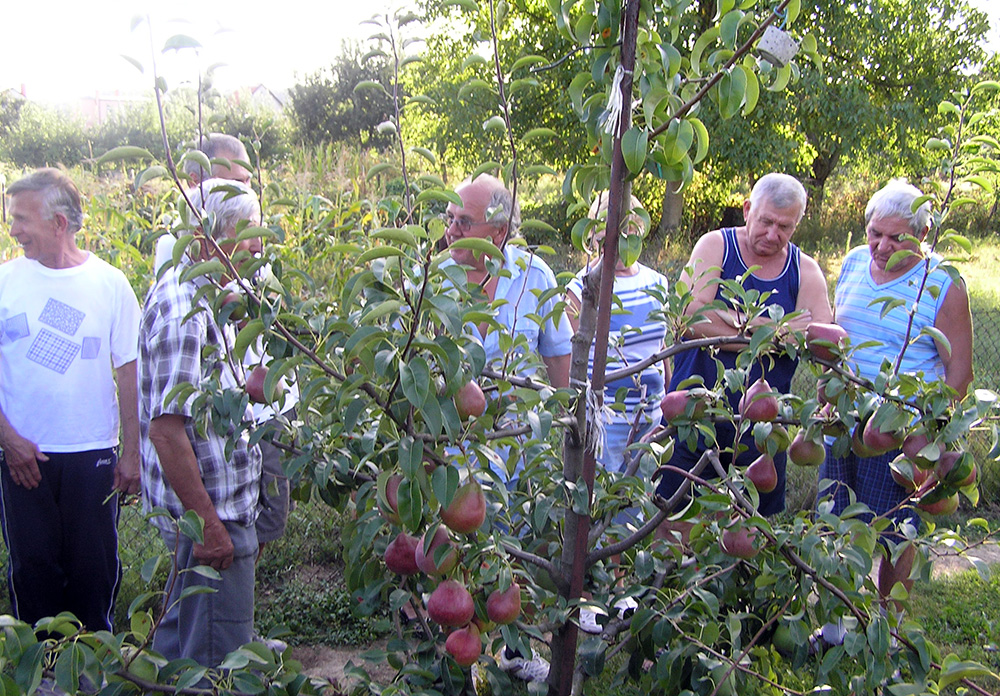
(782, 76)
(124, 152)
(467, 5)
(576, 87)
(703, 42)
(148, 174)
(179, 41)
(539, 133)
(473, 59)
(732, 92)
(495, 123)
(369, 84)
(438, 195)
(192, 526)
(635, 142)
(752, 90)
(986, 86)
(425, 153)
(955, 670)
(702, 132)
(472, 85)
(378, 169)
(248, 336)
(138, 66)
(379, 253)
(729, 26)
(629, 248)
(527, 60)
(394, 234)
(478, 245)
(722, 8)
(415, 380)
(484, 168)
(792, 10)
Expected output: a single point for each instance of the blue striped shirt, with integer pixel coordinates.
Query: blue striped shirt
(856, 290)
(634, 335)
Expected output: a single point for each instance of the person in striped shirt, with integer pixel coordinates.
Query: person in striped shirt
(635, 334)
(868, 274)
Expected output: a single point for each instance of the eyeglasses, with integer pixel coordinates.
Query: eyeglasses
(464, 224)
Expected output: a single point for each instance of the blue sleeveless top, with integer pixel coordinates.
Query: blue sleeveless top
(784, 291)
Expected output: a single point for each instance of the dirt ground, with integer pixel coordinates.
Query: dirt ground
(327, 663)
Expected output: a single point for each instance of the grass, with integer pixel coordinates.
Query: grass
(961, 614)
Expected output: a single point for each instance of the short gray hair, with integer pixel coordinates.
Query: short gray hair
(895, 199)
(226, 200)
(780, 190)
(504, 209)
(214, 145)
(58, 192)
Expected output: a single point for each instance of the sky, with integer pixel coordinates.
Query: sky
(61, 50)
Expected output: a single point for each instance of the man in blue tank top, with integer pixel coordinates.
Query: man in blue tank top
(795, 283)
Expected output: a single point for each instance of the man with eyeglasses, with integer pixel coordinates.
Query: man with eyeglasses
(488, 212)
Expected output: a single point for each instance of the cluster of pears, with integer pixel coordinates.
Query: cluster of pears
(451, 605)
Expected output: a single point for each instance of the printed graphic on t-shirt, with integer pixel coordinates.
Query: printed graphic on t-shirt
(15, 327)
(48, 348)
(61, 316)
(52, 351)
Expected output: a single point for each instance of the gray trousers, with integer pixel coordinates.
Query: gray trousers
(206, 627)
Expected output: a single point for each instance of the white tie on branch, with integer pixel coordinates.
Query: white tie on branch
(597, 425)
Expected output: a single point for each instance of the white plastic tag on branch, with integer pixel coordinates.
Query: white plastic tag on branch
(612, 115)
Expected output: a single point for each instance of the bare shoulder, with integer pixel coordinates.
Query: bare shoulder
(709, 249)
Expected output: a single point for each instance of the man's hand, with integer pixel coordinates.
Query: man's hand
(217, 551)
(22, 460)
(127, 473)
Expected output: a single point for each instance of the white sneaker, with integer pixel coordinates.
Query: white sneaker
(534, 670)
(588, 621)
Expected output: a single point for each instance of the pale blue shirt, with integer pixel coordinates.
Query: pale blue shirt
(856, 290)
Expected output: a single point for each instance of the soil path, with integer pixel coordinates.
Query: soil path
(328, 663)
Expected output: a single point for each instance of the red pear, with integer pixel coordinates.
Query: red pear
(879, 441)
(763, 474)
(738, 541)
(401, 555)
(255, 384)
(858, 445)
(825, 340)
(778, 435)
(805, 451)
(470, 402)
(916, 449)
(504, 607)
(945, 506)
(906, 474)
(956, 469)
(759, 403)
(391, 514)
(450, 604)
(426, 561)
(464, 645)
(467, 511)
(673, 405)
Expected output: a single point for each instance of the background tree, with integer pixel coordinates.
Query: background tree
(328, 108)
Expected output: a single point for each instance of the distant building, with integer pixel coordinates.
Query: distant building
(96, 110)
(262, 96)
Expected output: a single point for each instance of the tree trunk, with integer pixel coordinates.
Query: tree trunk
(670, 212)
(822, 167)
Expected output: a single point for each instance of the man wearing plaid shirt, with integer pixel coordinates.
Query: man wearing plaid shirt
(184, 461)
